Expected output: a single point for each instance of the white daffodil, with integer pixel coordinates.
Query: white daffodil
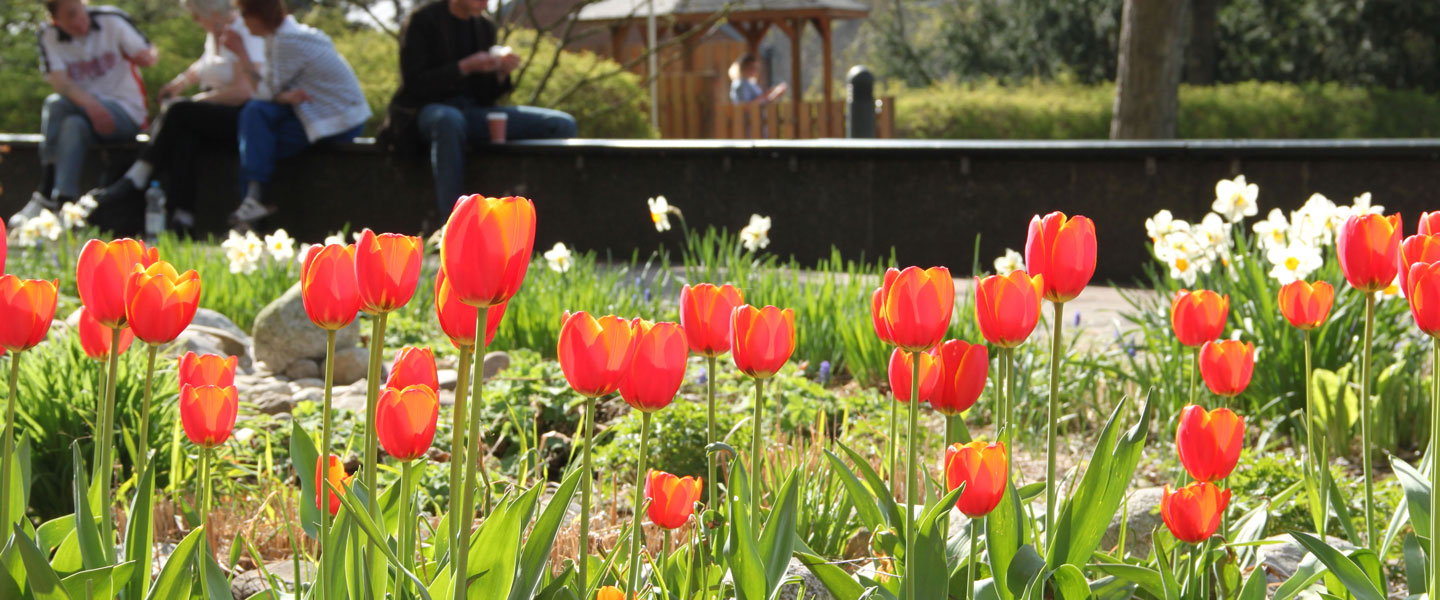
(1011, 262)
(88, 204)
(1163, 224)
(280, 245)
(559, 258)
(46, 225)
(1361, 205)
(235, 248)
(1235, 199)
(1293, 262)
(660, 213)
(335, 239)
(1213, 235)
(1316, 221)
(72, 215)
(26, 236)
(756, 235)
(1183, 268)
(302, 251)
(1272, 231)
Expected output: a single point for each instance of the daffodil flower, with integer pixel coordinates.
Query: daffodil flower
(1293, 262)
(660, 213)
(559, 258)
(756, 235)
(1235, 199)
(1010, 262)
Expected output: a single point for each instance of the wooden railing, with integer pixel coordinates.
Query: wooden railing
(777, 120)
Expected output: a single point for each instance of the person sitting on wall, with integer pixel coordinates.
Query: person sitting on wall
(208, 118)
(451, 75)
(745, 82)
(314, 98)
(91, 56)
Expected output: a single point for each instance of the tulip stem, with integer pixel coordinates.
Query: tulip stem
(1194, 373)
(457, 437)
(406, 548)
(465, 518)
(755, 437)
(711, 499)
(104, 449)
(637, 531)
(912, 436)
(143, 455)
(1312, 448)
(324, 463)
(894, 441)
(1052, 485)
(372, 399)
(1370, 539)
(952, 430)
(205, 485)
(9, 439)
(974, 557)
(586, 483)
(1434, 459)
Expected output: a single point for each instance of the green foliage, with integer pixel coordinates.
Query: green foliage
(1063, 109)
(605, 100)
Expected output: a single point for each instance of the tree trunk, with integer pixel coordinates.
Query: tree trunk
(1147, 85)
(1200, 52)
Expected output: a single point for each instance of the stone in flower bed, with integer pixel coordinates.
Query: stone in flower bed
(284, 335)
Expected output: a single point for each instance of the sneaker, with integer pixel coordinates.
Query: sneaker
(32, 209)
(122, 189)
(250, 210)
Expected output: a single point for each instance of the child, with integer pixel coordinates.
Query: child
(744, 82)
(91, 56)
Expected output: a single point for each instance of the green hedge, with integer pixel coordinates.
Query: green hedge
(1060, 110)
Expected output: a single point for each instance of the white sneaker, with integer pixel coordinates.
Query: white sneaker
(250, 210)
(32, 209)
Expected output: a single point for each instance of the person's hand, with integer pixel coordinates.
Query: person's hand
(478, 62)
(231, 41)
(509, 62)
(777, 91)
(293, 97)
(171, 90)
(100, 119)
(146, 57)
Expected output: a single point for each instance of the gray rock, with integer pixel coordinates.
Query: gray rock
(351, 365)
(811, 585)
(350, 400)
(252, 582)
(198, 342)
(303, 368)
(234, 341)
(309, 382)
(448, 378)
(310, 394)
(1144, 516)
(496, 362)
(272, 403)
(283, 333)
(1280, 556)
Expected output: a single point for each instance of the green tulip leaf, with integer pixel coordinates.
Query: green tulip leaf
(882, 492)
(86, 531)
(839, 583)
(1417, 493)
(1145, 578)
(1070, 583)
(41, 580)
(140, 531)
(378, 540)
(534, 557)
(98, 583)
(304, 456)
(1355, 578)
(1005, 533)
(744, 559)
(866, 506)
(176, 576)
(927, 568)
(1086, 514)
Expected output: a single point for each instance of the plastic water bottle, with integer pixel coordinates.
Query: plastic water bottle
(154, 212)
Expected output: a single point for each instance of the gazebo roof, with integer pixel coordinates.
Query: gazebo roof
(697, 10)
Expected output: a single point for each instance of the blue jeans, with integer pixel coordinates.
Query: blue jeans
(68, 134)
(449, 125)
(270, 132)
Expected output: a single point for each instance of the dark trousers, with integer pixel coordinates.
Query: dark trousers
(183, 132)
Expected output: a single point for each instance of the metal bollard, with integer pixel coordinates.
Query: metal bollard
(860, 102)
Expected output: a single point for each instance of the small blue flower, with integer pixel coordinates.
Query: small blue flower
(1077, 318)
(824, 372)
(702, 377)
(647, 295)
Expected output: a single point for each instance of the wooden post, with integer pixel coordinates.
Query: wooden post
(829, 126)
(794, 28)
(618, 33)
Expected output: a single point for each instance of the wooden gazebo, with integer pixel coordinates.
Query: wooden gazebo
(753, 20)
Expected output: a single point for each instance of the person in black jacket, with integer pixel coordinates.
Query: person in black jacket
(451, 75)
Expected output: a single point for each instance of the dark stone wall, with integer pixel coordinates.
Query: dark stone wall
(928, 200)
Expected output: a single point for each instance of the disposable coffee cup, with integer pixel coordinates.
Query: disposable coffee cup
(497, 126)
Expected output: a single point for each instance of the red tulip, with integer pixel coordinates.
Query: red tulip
(101, 273)
(1369, 249)
(595, 354)
(414, 366)
(963, 370)
(901, 366)
(95, 338)
(26, 309)
(672, 499)
(761, 339)
(1226, 366)
(458, 319)
(328, 286)
(705, 316)
(1417, 249)
(983, 469)
(657, 368)
(387, 269)
(160, 302)
(208, 413)
(207, 369)
(1306, 306)
(486, 247)
(1063, 251)
(405, 421)
(1199, 316)
(1209, 442)
(1007, 307)
(1429, 223)
(1193, 512)
(334, 471)
(1424, 296)
(877, 313)
(915, 307)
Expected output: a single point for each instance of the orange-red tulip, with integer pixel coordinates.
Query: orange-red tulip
(405, 421)
(1007, 307)
(101, 273)
(160, 303)
(387, 269)
(199, 370)
(1193, 512)
(414, 366)
(486, 247)
(1369, 249)
(1429, 223)
(609, 592)
(983, 469)
(458, 319)
(877, 313)
(1417, 249)
(901, 366)
(1063, 251)
(1424, 297)
(963, 370)
(761, 339)
(705, 316)
(1306, 306)
(334, 471)
(1209, 442)
(1199, 316)
(208, 413)
(26, 309)
(1226, 366)
(95, 338)
(328, 286)
(672, 499)
(915, 307)
(595, 354)
(657, 368)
